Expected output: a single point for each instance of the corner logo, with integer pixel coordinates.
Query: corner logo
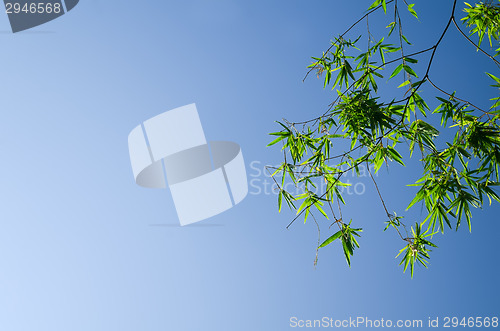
(205, 179)
(26, 14)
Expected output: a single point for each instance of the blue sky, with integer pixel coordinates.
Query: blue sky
(82, 247)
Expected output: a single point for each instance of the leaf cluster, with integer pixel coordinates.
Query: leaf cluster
(459, 167)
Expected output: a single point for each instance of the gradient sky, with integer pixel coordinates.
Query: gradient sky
(83, 248)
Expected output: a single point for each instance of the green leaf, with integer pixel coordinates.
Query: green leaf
(318, 206)
(305, 204)
(331, 239)
(395, 155)
(494, 78)
(375, 4)
(396, 71)
(409, 59)
(406, 40)
(347, 251)
(406, 82)
(277, 140)
(412, 11)
(391, 26)
(409, 70)
(280, 200)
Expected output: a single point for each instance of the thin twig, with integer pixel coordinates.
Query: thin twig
(473, 43)
(319, 239)
(382, 200)
(454, 97)
(345, 32)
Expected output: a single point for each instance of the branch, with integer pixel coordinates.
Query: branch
(345, 32)
(382, 200)
(360, 78)
(454, 97)
(473, 43)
